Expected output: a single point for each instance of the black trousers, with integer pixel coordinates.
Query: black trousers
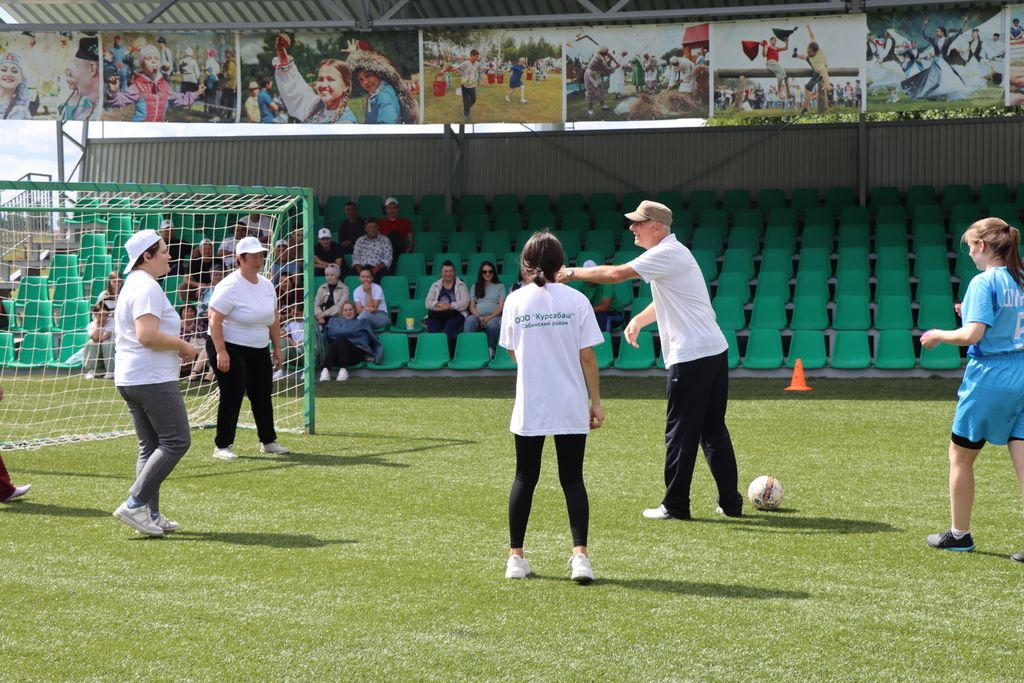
(698, 392)
(251, 374)
(340, 353)
(468, 100)
(570, 449)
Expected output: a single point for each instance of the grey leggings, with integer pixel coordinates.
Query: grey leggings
(158, 413)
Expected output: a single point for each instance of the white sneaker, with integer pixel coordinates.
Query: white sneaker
(582, 572)
(278, 374)
(325, 375)
(517, 567)
(225, 453)
(109, 375)
(165, 524)
(657, 513)
(90, 375)
(274, 447)
(138, 519)
(19, 491)
(342, 375)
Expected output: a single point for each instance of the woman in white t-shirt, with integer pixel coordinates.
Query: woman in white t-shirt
(148, 353)
(244, 319)
(549, 329)
(369, 300)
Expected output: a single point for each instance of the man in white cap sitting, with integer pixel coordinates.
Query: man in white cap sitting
(695, 352)
(396, 228)
(327, 251)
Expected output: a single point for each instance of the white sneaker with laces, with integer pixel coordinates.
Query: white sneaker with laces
(225, 453)
(517, 567)
(325, 375)
(582, 572)
(274, 447)
(657, 513)
(19, 491)
(138, 519)
(164, 523)
(342, 375)
(278, 374)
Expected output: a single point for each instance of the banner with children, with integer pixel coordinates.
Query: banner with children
(49, 76)
(788, 66)
(1015, 53)
(637, 73)
(331, 77)
(179, 77)
(493, 76)
(935, 58)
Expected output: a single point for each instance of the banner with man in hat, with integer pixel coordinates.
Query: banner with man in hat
(45, 76)
(333, 77)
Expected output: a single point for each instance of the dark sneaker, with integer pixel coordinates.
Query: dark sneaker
(946, 541)
(1018, 557)
(729, 513)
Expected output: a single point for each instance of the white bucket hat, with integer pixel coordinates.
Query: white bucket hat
(137, 244)
(249, 245)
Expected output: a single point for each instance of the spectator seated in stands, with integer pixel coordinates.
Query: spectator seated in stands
(369, 301)
(602, 298)
(108, 297)
(447, 302)
(226, 250)
(396, 228)
(99, 350)
(329, 296)
(284, 269)
(293, 337)
(486, 300)
(203, 305)
(373, 251)
(351, 229)
(180, 251)
(348, 341)
(199, 271)
(258, 225)
(326, 251)
(193, 330)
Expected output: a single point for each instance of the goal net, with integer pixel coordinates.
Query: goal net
(61, 266)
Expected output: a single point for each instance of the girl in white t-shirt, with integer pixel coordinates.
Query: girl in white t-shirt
(549, 329)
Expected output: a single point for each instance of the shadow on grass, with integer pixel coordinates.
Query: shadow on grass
(28, 507)
(711, 590)
(269, 540)
(786, 521)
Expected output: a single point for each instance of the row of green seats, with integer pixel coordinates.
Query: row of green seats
(851, 350)
(850, 312)
(37, 350)
(72, 315)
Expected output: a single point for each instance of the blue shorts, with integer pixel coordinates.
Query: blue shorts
(991, 399)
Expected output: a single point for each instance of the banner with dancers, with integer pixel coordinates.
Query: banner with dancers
(49, 76)
(788, 66)
(637, 73)
(330, 77)
(1015, 52)
(492, 76)
(935, 59)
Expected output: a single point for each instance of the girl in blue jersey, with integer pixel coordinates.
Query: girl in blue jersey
(991, 396)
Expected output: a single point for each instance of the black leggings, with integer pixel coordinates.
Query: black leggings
(250, 375)
(570, 449)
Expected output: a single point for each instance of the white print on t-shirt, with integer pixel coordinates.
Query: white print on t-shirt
(556, 319)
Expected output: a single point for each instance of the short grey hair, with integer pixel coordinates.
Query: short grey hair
(332, 268)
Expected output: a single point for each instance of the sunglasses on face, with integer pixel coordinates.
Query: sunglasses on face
(487, 272)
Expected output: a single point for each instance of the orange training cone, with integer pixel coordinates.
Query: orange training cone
(798, 383)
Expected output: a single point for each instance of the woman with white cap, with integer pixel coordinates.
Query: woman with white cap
(148, 353)
(244, 319)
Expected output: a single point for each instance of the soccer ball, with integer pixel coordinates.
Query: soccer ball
(765, 493)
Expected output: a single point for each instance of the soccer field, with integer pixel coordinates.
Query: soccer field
(376, 550)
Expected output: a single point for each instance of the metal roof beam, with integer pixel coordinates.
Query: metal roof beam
(618, 6)
(155, 14)
(589, 6)
(334, 8)
(824, 7)
(395, 8)
(879, 4)
(105, 4)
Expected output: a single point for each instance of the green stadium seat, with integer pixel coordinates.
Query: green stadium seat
(993, 193)
(709, 238)
(475, 261)
(471, 352)
(673, 199)
(770, 199)
(819, 230)
(810, 312)
(425, 243)
(942, 357)
(734, 201)
(682, 225)
(67, 289)
(62, 266)
(894, 350)
(370, 206)
(612, 221)
(520, 239)
(82, 215)
(769, 312)
(541, 220)
(623, 293)
(640, 358)
(92, 244)
(729, 313)
(803, 199)
(836, 198)
(6, 348)
(395, 351)
(738, 260)
(570, 203)
(895, 216)
(584, 255)
(36, 316)
(74, 316)
(505, 203)
(713, 218)
(777, 260)
(603, 352)
(641, 302)
(626, 255)
(919, 196)
(334, 210)
(764, 349)
(807, 346)
(510, 267)
(931, 257)
(853, 235)
(893, 313)
(965, 264)
(811, 283)
(432, 205)
(571, 241)
(406, 205)
(884, 196)
(892, 259)
(953, 195)
(851, 313)
(431, 352)
(70, 344)
(475, 224)
(603, 202)
(33, 288)
(462, 243)
(854, 215)
(853, 284)
(631, 200)
(601, 241)
(707, 262)
(935, 311)
(422, 286)
(933, 283)
(496, 242)
(733, 284)
(732, 355)
(352, 283)
(700, 201)
(815, 259)
(960, 218)
(536, 203)
(851, 350)
(576, 220)
(748, 217)
(36, 351)
(929, 234)
(442, 224)
(413, 308)
(411, 265)
(853, 261)
(441, 257)
(95, 274)
(1006, 210)
(746, 237)
(396, 289)
(892, 283)
(1020, 196)
(771, 283)
(501, 361)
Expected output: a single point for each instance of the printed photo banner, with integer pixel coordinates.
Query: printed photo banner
(1015, 54)
(514, 77)
(787, 66)
(637, 73)
(49, 76)
(935, 59)
(331, 77)
(179, 77)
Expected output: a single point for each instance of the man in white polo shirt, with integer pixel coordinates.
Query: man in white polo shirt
(696, 355)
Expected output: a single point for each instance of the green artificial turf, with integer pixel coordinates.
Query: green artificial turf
(376, 551)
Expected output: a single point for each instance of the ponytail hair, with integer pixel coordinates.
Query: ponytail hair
(541, 258)
(1004, 241)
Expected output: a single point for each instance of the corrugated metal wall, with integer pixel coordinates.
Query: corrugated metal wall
(936, 153)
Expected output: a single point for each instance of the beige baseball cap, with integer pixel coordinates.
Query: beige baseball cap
(651, 211)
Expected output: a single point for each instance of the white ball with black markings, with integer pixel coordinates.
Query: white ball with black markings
(765, 493)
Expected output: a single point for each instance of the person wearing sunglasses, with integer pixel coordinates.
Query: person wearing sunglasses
(485, 304)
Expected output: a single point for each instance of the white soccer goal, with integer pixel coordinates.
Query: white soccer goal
(61, 253)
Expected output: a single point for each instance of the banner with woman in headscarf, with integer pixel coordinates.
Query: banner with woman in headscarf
(331, 77)
(1015, 52)
(46, 76)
